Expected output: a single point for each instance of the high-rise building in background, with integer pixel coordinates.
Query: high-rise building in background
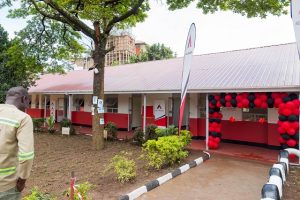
(124, 47)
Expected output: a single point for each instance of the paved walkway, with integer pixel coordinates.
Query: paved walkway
(221, 177)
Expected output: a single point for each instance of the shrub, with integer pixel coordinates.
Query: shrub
(150, 132)
(112, 130)
(123, 166)
(171, 130)
(38, 123)
(38, 195)
(138, 136)
(166, 150)
(83, 189)
(50, 123)
(185, 137)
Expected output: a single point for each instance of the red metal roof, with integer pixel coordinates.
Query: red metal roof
(266, 68)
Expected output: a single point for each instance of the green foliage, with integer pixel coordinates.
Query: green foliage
(171, 130)
(153, 52)
(65, 122)
(50, 123)
(16, 67)
(185, 137)
(38, 123)
(112, 130)
(83, 189)
(38, 195)
(150, 132)
(138, 136)
(166, 150)
(123, 166)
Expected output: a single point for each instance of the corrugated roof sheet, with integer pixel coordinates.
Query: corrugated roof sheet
(266, 68)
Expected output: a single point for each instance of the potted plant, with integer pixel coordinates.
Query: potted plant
(65, 125)
(110, 131)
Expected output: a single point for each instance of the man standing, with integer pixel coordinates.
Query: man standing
(16, 144)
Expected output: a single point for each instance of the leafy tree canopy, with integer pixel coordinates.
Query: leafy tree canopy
(153, 52)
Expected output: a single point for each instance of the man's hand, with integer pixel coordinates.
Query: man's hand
(20, 184)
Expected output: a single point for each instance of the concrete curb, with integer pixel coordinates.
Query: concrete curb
(161, 180)
(273, 189)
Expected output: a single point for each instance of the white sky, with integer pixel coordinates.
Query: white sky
(217, 32)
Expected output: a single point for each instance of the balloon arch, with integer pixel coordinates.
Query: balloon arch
(288, 110)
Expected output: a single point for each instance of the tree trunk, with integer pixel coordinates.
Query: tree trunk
(98, 87)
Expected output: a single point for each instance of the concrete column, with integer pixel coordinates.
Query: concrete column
(144, 122)
(33, 101)
(70, 106)
(206, 122)
(40, 101)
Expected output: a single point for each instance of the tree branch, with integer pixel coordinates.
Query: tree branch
(73, 21)
(116, 19)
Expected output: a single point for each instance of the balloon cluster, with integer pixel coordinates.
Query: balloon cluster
(288, 109)
(288, 123)
(215, 118)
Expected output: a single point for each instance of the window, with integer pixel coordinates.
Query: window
(111, 104)
(202, 105)
(253, 114)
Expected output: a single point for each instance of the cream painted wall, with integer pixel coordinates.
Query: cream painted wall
(152, 97)
(234, 112)
(272, 115)
(33, 101)
(194, 111)
(123, 103)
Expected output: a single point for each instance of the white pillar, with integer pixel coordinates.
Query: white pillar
(70, 106)
(144, 122)
(206, 122)
(45, 107)
(40, 101)
(33, 101)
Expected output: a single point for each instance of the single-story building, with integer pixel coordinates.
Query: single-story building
(156, 84)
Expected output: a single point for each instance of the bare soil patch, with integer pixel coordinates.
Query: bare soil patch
(292, 186)
(56, 156)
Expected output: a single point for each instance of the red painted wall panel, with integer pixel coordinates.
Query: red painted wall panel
(35, 112)
(245, 131)
(193, 126)
(273, 135)
(120, 119)
(85, 118)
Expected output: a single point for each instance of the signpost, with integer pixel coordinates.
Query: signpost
(187, 63)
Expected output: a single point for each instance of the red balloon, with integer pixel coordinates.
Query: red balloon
(231, 119)
(211, 105)
(277, 102)
(218, 129)
(240, 105)
(292, 157)
(285, 125)
(220, 115)
(228, 97)
(245, 102)
(282, 106)
(291, 131)
(244, 95)
(217, 140)
(279, 122)
(214, 124)
(211, 129)
(295, 125)
(281, 140)
(281, 130)
(257, 95)
(217, 97)
(295, 111)
(290, 105)
(296, 102)
(263, 97)
(275, 95)
(291, 142)
(219, 105)
(210, 138)
(264, 105)
(287, 112)
(257, 102)
(228, 104)
(239, 98)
